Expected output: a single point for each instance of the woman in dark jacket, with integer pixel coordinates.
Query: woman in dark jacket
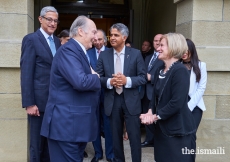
(174, 123)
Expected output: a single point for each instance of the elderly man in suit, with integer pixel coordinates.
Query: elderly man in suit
(152, 63)
(122, 71)
(104, 125)
(70, 120)
(38, 50)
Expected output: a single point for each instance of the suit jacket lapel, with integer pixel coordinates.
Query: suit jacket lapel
(165, 82)
(192, 81)
(94, 57)
(126, 60)
(44, 42)
(80, 50)
(147, 61)
(111, 60)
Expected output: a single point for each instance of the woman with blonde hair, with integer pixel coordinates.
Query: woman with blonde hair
(168, 109)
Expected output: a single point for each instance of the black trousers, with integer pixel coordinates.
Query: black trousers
(197, 115)
(148, 128)
(120, 114)
(39, 151)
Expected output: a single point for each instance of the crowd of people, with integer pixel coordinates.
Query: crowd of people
(75, 90)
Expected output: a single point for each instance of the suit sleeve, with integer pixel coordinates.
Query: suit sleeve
(72, 69)
(27, 67)
(179, 89)
(195, 98)
(140, 78)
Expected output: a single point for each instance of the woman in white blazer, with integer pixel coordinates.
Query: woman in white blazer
(198, 80)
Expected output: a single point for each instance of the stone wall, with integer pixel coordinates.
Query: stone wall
(17, 19)
(206, 22)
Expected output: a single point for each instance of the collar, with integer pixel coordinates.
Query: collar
(157, 53)
(83, 48)
(122, 51)
(102, 48)
(45, 34)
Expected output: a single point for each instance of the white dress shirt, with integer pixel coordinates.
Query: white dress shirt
(102, 49)
(122, 57)
(46, 36)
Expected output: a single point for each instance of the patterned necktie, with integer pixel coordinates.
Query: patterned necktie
(152, 61)
(118, 68)
(98, 51)
(52, 45)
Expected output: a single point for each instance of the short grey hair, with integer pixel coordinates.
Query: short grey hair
(121, 28)
(47, 9)
(104, 35)
(79, 22)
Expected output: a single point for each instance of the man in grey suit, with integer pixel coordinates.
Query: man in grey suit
(38, 50)
(151, 63)
(122, 71)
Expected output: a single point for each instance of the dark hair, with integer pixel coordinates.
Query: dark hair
(194, 59)
(128, 41)
(64, 33)
(150, 43)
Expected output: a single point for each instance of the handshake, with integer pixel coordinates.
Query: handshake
(118, 80)
(148, 118)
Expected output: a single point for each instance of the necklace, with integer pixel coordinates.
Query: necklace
(187, 65)
(163, 74)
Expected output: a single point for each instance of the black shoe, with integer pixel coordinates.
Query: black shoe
(85, 154)
(96, 159)
(111, 160)
(146, 144)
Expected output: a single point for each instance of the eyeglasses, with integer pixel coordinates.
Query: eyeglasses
(50, 20)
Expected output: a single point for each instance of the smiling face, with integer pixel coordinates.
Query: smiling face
(156, 41)
(163, 50)
(99, 40)
(49, 27)
(88, 34)
(117, 40)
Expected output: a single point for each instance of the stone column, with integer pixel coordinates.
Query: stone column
(17, 19)
(207, 23)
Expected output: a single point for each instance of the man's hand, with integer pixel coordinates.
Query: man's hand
(32, 110)
(113, 81)
(121, 79)
(149, 77)
(148, 118)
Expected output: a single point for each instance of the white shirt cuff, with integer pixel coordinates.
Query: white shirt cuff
(108, 84)
(128, 83)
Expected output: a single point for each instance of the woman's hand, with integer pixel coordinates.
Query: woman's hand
(148, 118)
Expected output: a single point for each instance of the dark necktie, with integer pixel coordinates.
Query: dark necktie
(52, 45)
(152, 61)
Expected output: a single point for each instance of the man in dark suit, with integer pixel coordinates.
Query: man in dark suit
(37, 53)
(122, 71)
(70, 120)
(152, 63)
(104, 125)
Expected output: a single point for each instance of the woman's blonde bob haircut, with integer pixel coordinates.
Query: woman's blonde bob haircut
(177, 44)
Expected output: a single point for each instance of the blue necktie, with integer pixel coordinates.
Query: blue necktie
(52, 45)
(152, 61)
(87, 57)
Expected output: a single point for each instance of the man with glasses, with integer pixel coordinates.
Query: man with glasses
(37, 52)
